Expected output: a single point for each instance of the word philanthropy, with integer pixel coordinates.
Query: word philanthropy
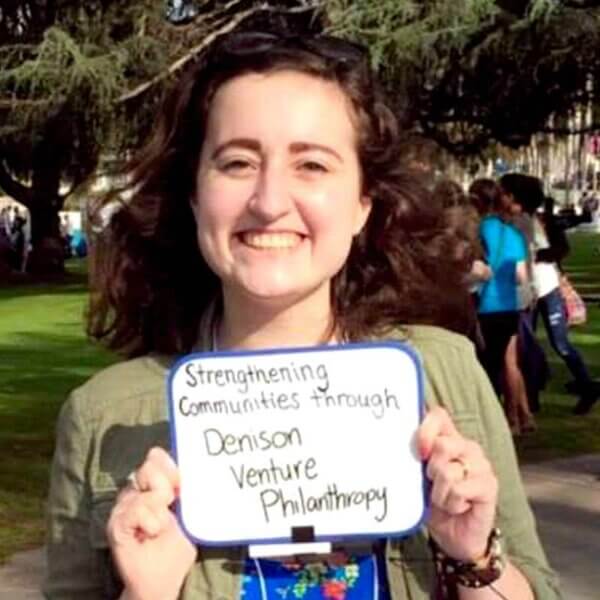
(372, 500)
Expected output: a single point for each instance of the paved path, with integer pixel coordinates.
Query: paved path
(20, 578)
(564, 494)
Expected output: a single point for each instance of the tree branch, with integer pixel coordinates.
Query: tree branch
(21, 193)
(77, 182)
(179, 63)
(207, 41)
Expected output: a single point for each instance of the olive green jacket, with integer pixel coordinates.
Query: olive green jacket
(107, 426)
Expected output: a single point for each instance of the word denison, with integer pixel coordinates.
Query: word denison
(275, 503)
(217, 443)
(253, 375)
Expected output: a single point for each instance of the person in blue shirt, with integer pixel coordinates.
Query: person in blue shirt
(506, 254)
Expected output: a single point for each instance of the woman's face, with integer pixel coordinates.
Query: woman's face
(278, 190)
(508, 204)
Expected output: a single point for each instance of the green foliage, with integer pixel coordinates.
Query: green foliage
(60, 66)
(543, 8)
(469, 73)
(83, 61)
(408, 30)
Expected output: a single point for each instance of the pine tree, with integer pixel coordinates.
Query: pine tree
(80, 80)
(470, 73)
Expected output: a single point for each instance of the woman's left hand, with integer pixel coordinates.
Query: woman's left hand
(464, 490)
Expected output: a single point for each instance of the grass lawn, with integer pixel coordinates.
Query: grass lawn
(560, 433)
(44, 354)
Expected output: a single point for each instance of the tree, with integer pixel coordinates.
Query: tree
(80, 80)
(468, 74)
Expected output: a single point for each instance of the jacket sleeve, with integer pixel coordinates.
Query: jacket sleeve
(74, 569)
(458, 382)
(514, 514)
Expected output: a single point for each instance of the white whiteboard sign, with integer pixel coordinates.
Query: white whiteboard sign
(321, 438)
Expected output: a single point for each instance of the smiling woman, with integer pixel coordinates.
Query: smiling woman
(276, 214)
(272, 209)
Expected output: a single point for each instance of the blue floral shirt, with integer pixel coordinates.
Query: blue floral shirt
(343, 577)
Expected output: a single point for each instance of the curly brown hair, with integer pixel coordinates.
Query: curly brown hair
(150, 283)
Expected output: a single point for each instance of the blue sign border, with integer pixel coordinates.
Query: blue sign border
(402, 347)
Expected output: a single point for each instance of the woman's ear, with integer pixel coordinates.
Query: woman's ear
(362, 213)
(194, 206)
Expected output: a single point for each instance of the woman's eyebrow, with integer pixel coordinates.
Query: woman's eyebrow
(297, 147)
(255, 146)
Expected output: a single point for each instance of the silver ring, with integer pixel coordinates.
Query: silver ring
(133, 482)
(464, 465)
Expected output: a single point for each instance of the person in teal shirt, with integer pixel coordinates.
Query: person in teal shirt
(506, 254)
(505, 250)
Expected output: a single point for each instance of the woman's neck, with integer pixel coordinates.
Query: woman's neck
(256, 325)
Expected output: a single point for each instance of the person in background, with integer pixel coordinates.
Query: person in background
(462, 218)
(5, 222)
(551, 247)
(521, 349)
(499, 304)
(272, 209)
(65, 235)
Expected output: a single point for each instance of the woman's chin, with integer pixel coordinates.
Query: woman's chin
(273, 294)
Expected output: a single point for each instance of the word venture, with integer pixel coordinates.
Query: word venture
(274, 473)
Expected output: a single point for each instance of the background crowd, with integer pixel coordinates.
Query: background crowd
(517, 242)
(15, 237)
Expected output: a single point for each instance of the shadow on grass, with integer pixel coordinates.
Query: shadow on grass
(35, 378)
(38, 371)
(74, 280)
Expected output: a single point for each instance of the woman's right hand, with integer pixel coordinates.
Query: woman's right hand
(481, 271)
(151, 552)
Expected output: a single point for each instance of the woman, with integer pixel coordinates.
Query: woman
(506, 255)
(270, 210)
(550, 247)
(462, 218)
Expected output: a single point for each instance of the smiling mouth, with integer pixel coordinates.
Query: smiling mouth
(270, 241)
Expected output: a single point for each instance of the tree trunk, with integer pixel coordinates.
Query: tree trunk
(47, 255)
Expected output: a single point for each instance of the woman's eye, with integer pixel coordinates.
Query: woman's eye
(314, 167)
(236, 166)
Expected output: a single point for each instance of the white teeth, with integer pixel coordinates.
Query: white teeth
(271, 240)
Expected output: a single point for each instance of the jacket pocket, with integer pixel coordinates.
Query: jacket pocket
(102, 505)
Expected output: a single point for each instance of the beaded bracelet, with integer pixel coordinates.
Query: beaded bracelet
(472, 574)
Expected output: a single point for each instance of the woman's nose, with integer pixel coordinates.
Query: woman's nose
(272, 196)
